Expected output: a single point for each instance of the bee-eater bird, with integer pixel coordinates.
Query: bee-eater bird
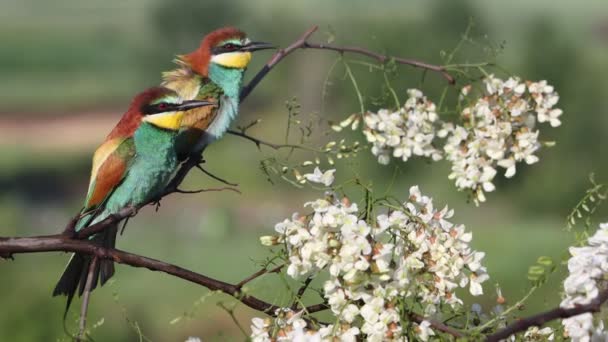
(131, 167)
(213, 72)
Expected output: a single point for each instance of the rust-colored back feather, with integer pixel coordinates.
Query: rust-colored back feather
(109, 175)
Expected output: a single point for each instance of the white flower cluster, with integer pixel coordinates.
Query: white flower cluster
(498, 131)
(289, 326)
(405, 133)
(413, 253)
(536, 334)
(588, 267)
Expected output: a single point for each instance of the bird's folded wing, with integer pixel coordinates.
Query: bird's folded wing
(199, 118)
(110, 164)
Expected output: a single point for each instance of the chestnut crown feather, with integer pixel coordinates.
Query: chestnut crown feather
(200, 58)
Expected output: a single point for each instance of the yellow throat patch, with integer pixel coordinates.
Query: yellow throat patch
(237, 59)
(168, 120)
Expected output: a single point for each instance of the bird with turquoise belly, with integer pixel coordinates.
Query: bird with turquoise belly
(212, 72)
(131, 167)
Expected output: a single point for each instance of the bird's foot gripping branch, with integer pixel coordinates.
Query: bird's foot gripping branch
(362, 263)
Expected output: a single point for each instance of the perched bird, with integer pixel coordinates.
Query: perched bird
(130, 168)
(214, 72)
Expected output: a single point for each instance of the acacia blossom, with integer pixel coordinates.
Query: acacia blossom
(413, 253)
(408, 132)
(326, 178)
(587, 267)
(536, 334)
(496, 131)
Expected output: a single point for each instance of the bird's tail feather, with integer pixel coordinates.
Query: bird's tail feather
(74, 276)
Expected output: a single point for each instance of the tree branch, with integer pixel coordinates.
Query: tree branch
(437, 325)
(203, 170)
(382, 58)
(540, 319)
(85, 299)
(225, 188)
(300, 293)
(85, 232)
(260, 142)
(274, 60)
(62, 243)
(258, 274)
(302, 43)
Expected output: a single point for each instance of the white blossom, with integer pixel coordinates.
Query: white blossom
(587, 267)
(288, 325)
(424, 331)
(415, 253)
(326, 178)
(536, 334)
(408, 132)
(498, 130)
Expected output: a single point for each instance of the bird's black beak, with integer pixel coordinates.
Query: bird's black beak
(186, 105)
(254, 46)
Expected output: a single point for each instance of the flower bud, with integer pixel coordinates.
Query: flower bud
(269, 240)
(346, 201)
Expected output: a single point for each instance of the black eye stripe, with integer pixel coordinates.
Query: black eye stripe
(157, 108)
(228, 47)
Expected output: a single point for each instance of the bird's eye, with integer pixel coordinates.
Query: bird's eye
(162, 106)
(230, 47)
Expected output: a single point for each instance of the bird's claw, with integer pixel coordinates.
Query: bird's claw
(156, 205)
(134, 210)
(198, 158)
(6, 256)
(70, 228)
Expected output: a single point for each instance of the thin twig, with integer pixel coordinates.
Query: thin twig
(382, 58)
(259, 142)
(214, 176)
(230, 312)
(540, 319)
(506, 312)
(302, 43)
(437, 325)
(300, 293)
(85, 299)
(258, 274)
(316, 308)
(180, 191)
(181, 174)
(276, 58)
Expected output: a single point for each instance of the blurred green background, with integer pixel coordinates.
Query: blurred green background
(69, 68)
